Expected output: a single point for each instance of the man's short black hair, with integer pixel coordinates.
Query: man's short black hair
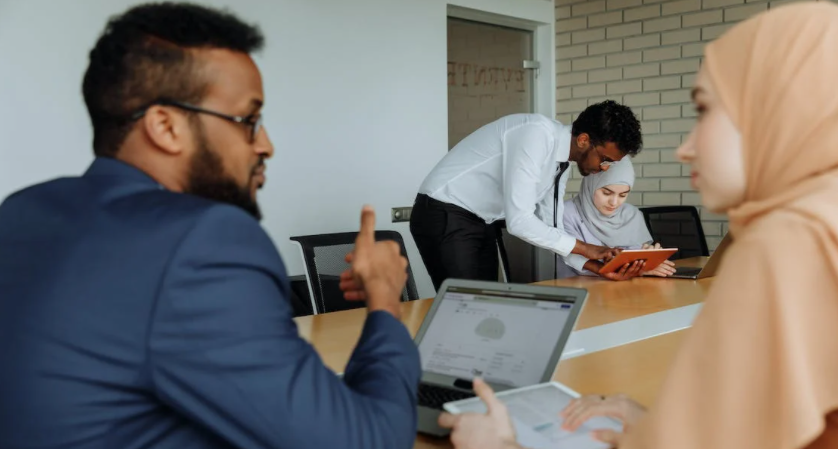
(610, 121)
(144, 56)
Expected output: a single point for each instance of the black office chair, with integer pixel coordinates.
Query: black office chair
(324, 255)
(677, 227)
(300, 296)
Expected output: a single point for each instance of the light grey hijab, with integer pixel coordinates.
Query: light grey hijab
(626, 228)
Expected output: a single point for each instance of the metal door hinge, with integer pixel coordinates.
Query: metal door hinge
(533, 65)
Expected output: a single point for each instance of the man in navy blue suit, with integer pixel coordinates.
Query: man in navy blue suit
(143, 306)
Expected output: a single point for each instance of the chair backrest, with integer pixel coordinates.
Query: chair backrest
(324, 257)
(677, 227)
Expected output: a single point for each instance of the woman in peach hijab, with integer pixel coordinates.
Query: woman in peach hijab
(759, 368)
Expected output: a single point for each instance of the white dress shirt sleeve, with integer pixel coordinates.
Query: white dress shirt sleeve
(526, 150)
(572, 223)
(576, 262)
(544, 211)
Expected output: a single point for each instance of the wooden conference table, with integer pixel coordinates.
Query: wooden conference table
(636, 369)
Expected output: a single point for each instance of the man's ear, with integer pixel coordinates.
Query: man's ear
(583, 141)
(167, 129)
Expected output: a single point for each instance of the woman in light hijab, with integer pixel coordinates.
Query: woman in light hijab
(759, 367)
(599, 215)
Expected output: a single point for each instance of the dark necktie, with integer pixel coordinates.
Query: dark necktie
(562, 167)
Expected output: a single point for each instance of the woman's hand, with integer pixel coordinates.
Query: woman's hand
(619, 407)
(666, 269)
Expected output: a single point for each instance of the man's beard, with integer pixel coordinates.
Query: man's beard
(208, 179)
(584, 158)
(581, 171)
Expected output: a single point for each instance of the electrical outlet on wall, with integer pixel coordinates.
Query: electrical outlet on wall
(401, 214)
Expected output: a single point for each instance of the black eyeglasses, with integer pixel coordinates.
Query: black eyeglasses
(605, 165)
(252, 121)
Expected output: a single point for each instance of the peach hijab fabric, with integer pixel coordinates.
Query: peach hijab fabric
(759, 367)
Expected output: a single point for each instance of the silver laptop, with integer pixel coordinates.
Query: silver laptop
(511, 335)
(710, 267)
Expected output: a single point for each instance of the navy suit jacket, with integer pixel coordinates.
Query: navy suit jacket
(134, 317)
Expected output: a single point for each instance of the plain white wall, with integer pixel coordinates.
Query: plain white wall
(356, 103)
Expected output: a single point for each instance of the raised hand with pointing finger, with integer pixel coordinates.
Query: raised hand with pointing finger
(378, 271)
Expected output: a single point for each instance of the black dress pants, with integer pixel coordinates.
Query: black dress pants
(453, 242)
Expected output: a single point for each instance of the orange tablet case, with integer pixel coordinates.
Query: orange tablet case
(653, 257)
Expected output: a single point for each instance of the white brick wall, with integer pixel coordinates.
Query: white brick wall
(645, 53)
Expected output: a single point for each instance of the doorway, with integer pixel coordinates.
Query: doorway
(491, 74)
(486, 75)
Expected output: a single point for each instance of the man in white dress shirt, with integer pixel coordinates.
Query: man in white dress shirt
(514, 169)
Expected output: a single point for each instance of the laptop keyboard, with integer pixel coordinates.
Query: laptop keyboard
(684, 271)
(433, 396)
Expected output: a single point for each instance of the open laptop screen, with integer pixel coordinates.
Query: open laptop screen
(503, 337)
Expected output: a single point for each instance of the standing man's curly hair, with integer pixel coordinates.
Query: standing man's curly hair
(610, 121)
(144, 55)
